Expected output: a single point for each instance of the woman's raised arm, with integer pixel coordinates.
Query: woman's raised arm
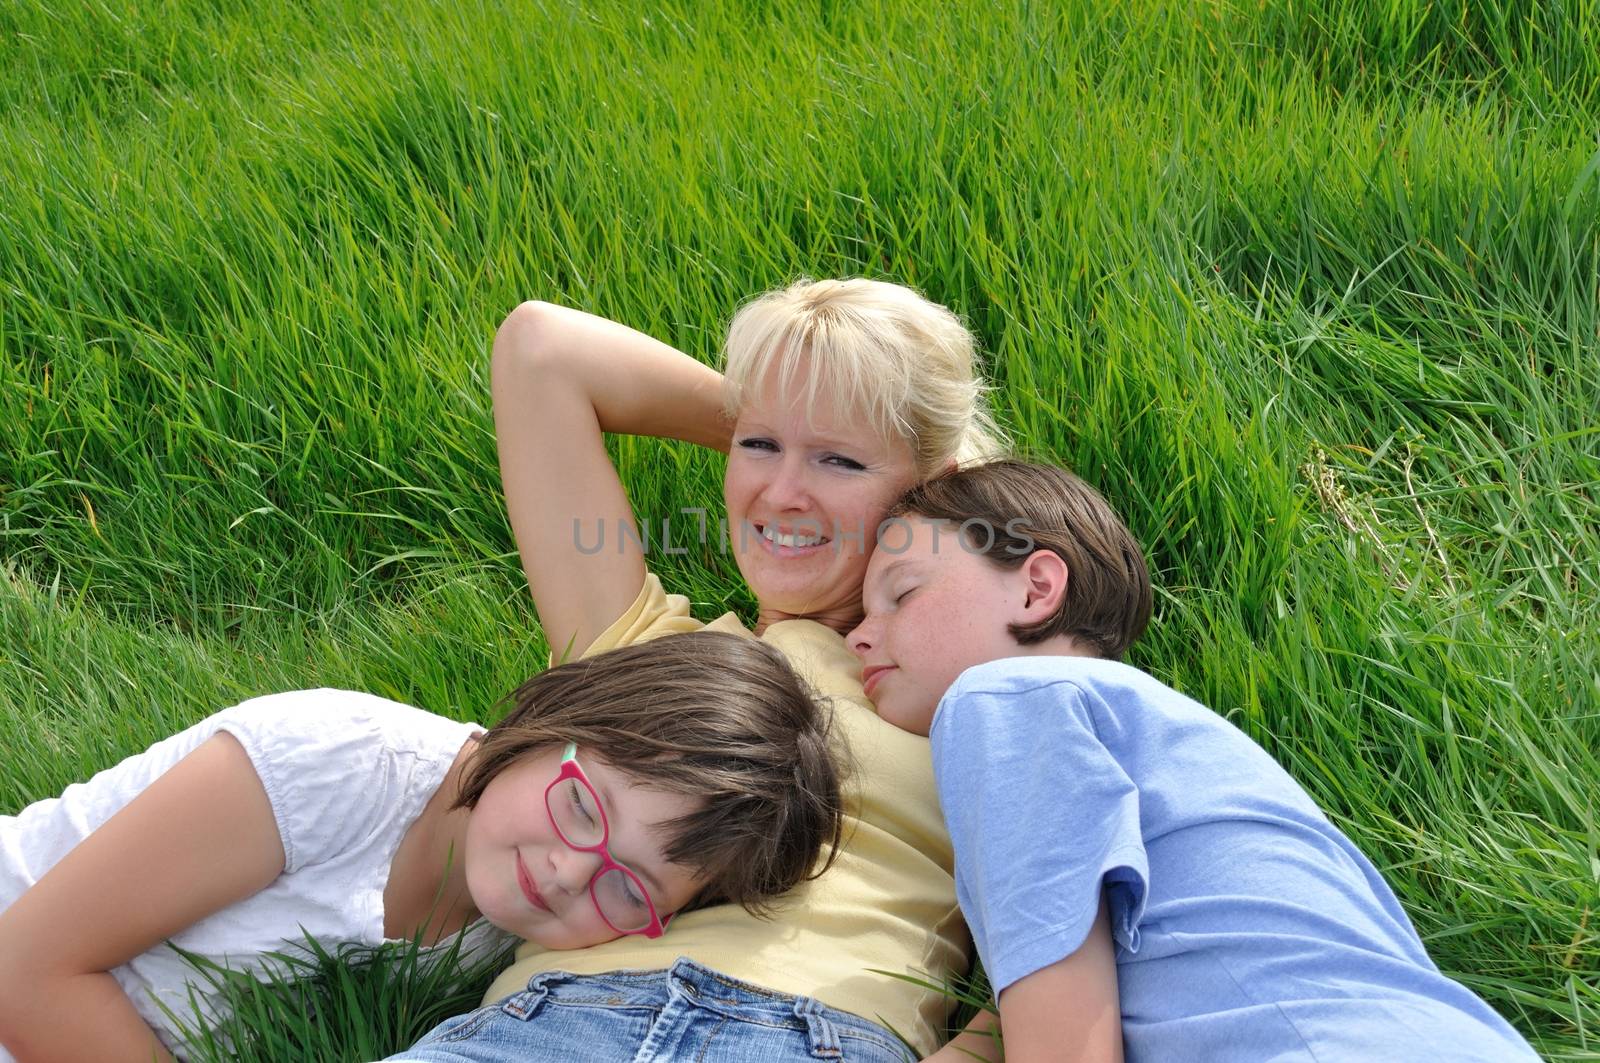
(561, 378)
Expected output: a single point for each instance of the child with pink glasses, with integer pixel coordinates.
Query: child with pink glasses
(619, 790)
(1139, 876)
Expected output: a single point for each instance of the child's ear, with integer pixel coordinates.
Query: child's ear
(1044, 576)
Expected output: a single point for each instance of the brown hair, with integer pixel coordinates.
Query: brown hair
(704, 714)
(1009, 509)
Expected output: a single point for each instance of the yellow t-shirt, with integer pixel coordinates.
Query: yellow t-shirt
(888, 903)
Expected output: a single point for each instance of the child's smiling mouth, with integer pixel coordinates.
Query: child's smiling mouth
(529, 890)
(871, 675)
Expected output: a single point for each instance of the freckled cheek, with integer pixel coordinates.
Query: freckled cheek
(911, 629)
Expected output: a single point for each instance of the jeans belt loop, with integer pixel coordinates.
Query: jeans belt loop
(819, 1029)
(522, 1005)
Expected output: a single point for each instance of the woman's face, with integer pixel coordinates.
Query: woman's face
(805, 498)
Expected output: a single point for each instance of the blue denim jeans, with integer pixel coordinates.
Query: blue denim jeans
(688, 1012)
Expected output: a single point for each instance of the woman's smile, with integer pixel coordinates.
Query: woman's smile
(798, 540)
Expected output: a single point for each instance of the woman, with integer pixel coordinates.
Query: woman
(838, 396)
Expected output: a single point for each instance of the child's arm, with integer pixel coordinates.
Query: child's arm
(1068, 1010)
(561, 378)
(201, 837)
(1043, 819)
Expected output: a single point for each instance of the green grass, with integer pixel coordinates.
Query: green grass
(1311, 290)
(350, 1003)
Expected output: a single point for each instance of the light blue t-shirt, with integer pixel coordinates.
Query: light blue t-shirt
(1247, 927)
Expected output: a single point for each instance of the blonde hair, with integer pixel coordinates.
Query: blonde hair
(871, 349)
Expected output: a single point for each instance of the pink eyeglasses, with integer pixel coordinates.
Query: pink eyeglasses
(578, 817)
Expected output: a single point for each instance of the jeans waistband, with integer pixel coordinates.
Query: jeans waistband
(708, 989)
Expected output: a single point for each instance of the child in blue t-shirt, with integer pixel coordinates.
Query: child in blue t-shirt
(1138, 874)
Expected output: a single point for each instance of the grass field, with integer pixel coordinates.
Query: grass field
(1310, 289)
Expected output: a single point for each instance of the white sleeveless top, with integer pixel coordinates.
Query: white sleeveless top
(346, 773)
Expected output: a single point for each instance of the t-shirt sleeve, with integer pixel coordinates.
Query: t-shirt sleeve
(1040, 815)
(312, 750)
(654, 613)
